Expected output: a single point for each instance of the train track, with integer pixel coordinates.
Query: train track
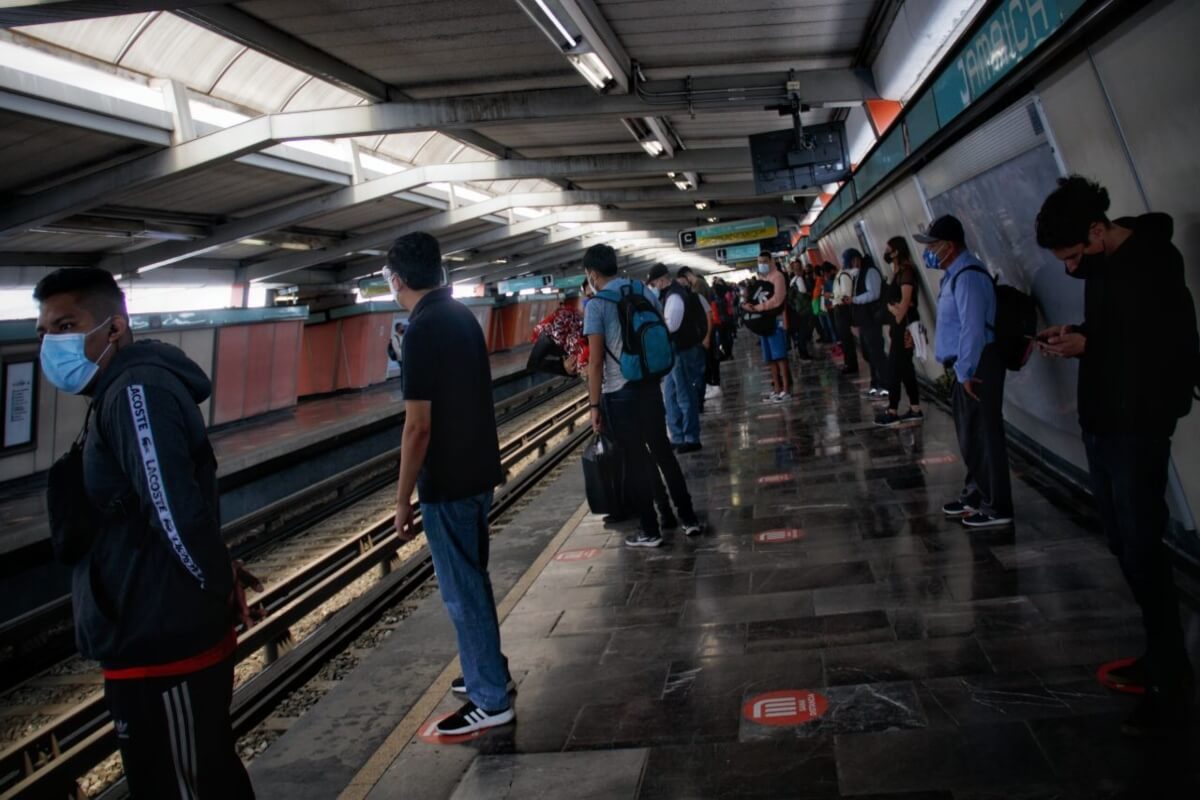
(40, 638)
(48, 762)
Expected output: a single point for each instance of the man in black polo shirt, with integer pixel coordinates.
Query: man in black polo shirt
(451, 455)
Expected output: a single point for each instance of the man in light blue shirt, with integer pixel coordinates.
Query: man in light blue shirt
(966, 322)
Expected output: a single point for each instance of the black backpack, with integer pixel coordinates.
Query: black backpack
(694, 327)
(1016, 320)
(762, 323)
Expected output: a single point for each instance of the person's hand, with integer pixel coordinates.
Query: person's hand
(570, 365)
(243, 579)
(597, 421)
(908, 340)
(895, 309)
(404, 521)
(747, 307)
(845, 301)
(969, 387)
(1060, 342)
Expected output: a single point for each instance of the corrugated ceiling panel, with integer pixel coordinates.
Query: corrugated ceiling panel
(364, 215)
(64, 243)
(103, 38)
(174, 48)
(257, 81)
(319, 94)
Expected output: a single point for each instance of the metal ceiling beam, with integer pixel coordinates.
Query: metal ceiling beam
(447, 219)
(445, 114)
(370, 191)
(40, 12)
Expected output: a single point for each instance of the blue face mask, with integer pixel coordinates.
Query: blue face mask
(931, 260)
(65, 362)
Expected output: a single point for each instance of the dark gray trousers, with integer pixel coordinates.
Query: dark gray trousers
(980, 427)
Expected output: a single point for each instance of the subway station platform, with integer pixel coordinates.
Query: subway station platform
(830, 634)
(245, 445)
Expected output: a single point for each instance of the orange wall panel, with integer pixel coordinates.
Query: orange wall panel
(285, 365)
(257, 358)
(229, 384)
(318, 358)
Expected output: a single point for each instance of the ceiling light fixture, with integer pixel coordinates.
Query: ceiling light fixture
(653, 147)
(593, 69)
(701, 205)
(568, 37)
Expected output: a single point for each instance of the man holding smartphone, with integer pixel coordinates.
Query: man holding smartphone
(1132, 390)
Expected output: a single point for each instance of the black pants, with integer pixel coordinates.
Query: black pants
(1129, 484)
(841, 321)
(801, 333)
(870, 336)
(901, 371)
(980, 428)
(725, 335)
(635, 417)
(175, 736)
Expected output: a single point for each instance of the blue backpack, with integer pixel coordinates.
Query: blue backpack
(646, 351)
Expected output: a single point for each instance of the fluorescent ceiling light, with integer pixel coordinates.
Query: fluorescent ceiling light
(254, 242)
(701, 205)
(593, 70)
(294, 246)
(714, 219)
(571, 41)
(653, 147)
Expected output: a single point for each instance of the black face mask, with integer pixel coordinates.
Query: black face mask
(1089, 264)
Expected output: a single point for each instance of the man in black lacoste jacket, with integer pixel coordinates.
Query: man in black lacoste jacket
(154, 590)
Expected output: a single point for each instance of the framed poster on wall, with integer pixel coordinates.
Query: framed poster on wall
(18, 404)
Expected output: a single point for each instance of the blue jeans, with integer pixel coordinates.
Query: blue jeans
(457, 533)
(681, 393)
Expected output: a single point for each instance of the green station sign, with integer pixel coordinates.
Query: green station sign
(528, 282)
(738, 253)
(725, 233)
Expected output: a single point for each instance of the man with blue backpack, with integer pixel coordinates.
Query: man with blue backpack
(631, 352)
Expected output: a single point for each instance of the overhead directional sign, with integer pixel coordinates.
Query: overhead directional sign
(725, 233)
(738, 253)
(528, 282)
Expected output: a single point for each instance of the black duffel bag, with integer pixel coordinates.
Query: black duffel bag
(604, 476)
(72, 517)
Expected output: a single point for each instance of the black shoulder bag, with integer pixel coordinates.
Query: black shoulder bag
(72, 515)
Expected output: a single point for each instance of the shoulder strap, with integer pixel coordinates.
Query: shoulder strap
(972, 268)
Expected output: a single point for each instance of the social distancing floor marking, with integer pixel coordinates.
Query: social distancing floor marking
(785, 708)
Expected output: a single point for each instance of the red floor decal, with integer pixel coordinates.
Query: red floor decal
(933, 460)
(1108, 683)
(775, 480)
(786, 708)
(428, 733)
(781, 535)
(770, 440)
(770, 416)
(583, 554)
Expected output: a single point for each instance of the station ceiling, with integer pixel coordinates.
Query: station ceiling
(471, 118)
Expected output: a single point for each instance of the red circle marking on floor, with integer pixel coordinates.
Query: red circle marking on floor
(786, 708)
(774, 480)
(583, 554)
(776, 415)
(1107, 682)
(429, 735)
(933, 460)
(772, 440)
(778, 536)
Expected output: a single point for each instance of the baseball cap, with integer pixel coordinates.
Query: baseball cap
(658, 271)
(945, 228)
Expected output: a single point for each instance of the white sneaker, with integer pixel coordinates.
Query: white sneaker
(780, 397)
(872, 392)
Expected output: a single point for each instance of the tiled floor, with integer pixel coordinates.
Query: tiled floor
(904, 657)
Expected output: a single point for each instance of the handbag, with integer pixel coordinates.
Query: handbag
(71, 515)
(604, 475)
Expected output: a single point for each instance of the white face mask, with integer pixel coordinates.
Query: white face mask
(764, 267)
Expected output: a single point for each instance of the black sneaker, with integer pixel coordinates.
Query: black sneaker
(981, 520)
(471, 718)
(886, 419)
(957, 509)
(689, 447)
(459, 685)
(692, 527)
(1157, 717)
(643, 539)
(668, 522)
(912, 416)
(617, 519)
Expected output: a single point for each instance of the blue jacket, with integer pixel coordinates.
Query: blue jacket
(965, 316)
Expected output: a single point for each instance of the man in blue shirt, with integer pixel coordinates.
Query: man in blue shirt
(966, 319)
(632, 413)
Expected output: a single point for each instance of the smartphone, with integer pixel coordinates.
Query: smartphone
(1043, 338)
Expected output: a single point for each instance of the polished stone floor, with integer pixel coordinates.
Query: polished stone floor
(830, 634)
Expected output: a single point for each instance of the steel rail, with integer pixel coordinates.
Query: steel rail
(50, 760)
